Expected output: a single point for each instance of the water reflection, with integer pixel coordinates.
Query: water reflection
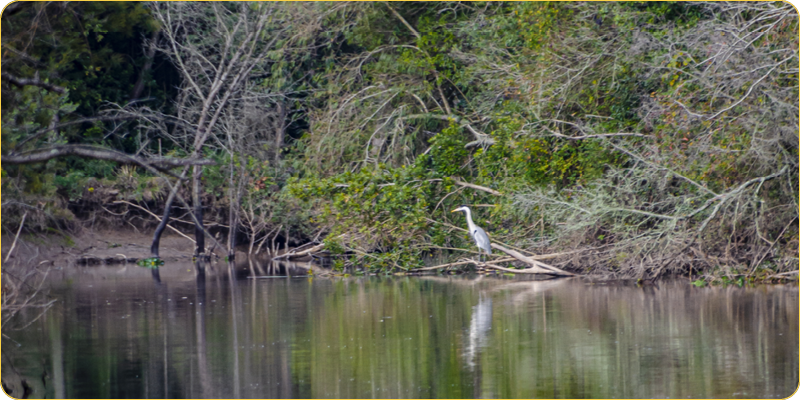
(479, 326)
(216, 330)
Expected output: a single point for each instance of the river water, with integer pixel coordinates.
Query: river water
(217, 332)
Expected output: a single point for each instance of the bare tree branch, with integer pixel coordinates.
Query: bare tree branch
(96, 152)
(32, 82)
(41, 132)
(478, 187)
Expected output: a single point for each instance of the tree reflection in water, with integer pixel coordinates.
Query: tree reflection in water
(207, 330)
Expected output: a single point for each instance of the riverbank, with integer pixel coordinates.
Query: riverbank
(118, 246)
(101, 244)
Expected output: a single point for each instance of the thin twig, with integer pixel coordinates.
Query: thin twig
(14, 244)
(755, 264)
(156, 217)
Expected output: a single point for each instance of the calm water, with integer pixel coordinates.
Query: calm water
(114, 332)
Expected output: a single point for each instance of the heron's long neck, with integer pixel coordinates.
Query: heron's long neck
(470, 224)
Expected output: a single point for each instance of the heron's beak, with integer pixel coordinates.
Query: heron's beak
(454, 211)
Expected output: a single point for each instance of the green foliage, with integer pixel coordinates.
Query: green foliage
(71, 184)
(448, 155)
(94, 51)
(577, 113)
(375, 209)
(151, 263)
(699, 283)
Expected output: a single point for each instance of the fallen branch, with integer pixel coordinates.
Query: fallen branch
(536, 269)
(294, 254)
(528, 260)
(532, 270)
(783, 275)
(455, 264)
(537, 266)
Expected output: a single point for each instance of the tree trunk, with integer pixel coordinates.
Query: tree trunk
(167, 207)
(280, 130)
(148, 64)
(199, 234)
(232, 221)
(233, 215)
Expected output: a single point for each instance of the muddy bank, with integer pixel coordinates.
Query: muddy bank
(95, 247)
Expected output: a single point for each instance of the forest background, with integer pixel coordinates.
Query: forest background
(635, 139)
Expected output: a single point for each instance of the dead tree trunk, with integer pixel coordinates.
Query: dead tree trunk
(280, 129)
(163, 224)
(233, 208)
(148, 65)
(197, 203)
(211, 85)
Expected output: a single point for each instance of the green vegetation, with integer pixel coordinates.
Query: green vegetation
(644, 138)
(150, 263)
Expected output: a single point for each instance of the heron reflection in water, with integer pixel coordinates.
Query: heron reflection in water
(479, 327)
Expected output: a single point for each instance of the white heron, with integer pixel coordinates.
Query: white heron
(481, 238)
